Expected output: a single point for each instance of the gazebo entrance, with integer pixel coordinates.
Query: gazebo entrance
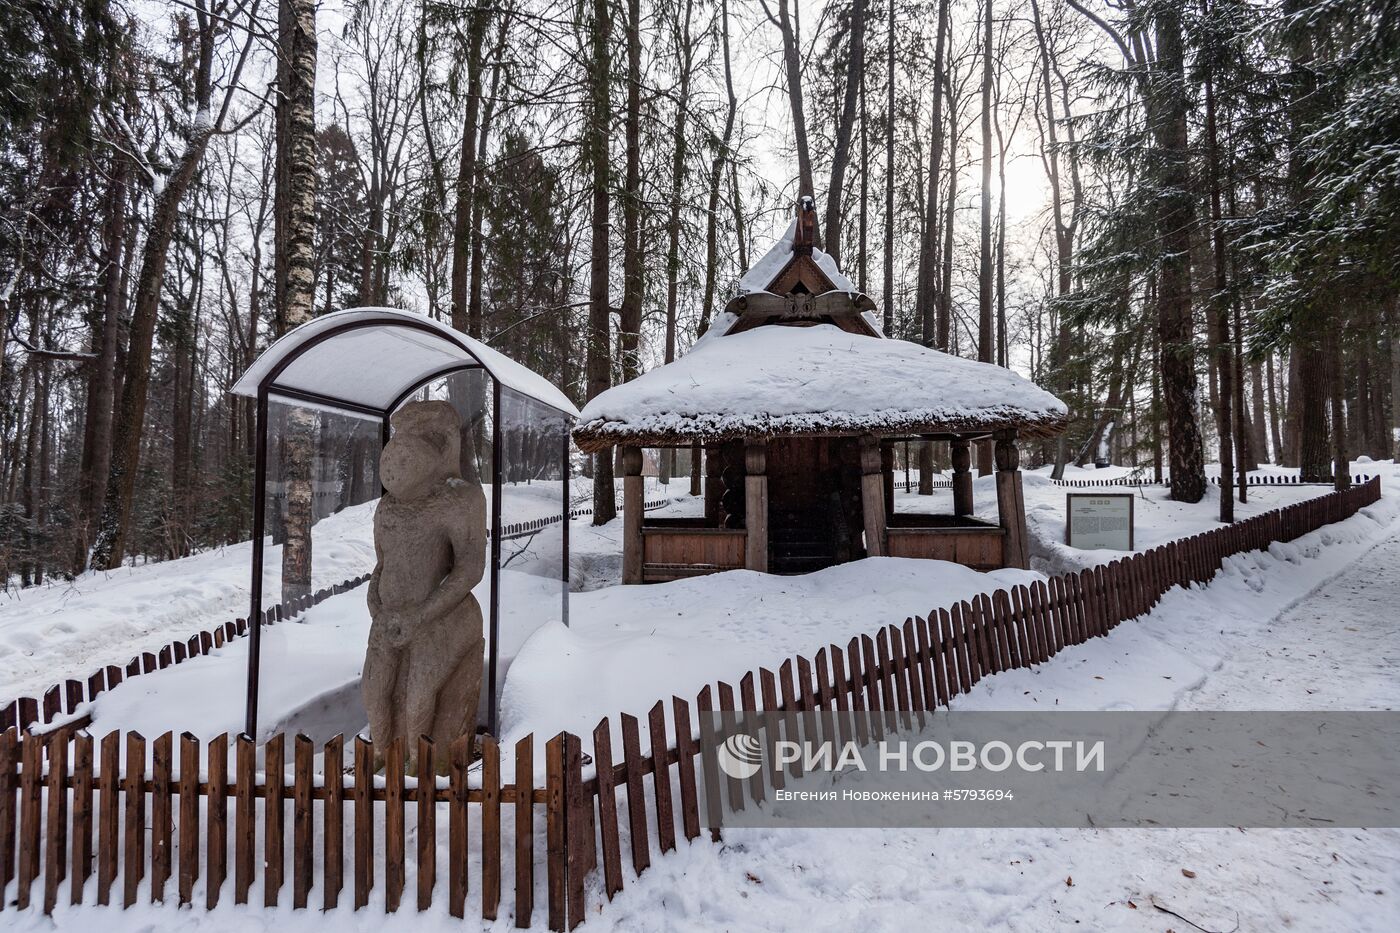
(814, 508)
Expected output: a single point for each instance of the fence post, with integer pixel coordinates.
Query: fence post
(556, 848)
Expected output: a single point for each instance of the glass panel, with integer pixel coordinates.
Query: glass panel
(667, 478)
(532, 556)
(321, 492)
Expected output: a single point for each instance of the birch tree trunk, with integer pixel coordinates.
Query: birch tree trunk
(296, 150)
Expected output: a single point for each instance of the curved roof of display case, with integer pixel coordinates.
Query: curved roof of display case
(369, 360)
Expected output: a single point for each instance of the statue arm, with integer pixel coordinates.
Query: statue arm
(466, 529)
(372, 594)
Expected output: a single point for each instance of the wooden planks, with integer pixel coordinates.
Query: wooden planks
(82, 814)
(524, 831)
(364, 820)
(217, 848)
(333, 823)
(274, 770)
(189, 817)
(425, 798)
(459, 758)
(134, 830)
(303, 825)
(393, 825)
(490, 826)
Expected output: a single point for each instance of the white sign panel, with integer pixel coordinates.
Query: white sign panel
(1099, 520)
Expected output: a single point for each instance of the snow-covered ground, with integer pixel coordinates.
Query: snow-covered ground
(1305, 625)
(624, 647)
(71, 628)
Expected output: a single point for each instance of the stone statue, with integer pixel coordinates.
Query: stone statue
(423, 668)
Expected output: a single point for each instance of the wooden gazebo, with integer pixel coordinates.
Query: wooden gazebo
(797, 401)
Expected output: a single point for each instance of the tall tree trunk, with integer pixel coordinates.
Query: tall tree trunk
(928, 304)
(1064, 237)
(466, 177)
(888, 290)
(1310, 356)
(1341, 466)
(599, 358)
(296, 150)
(863, 216)
(792, 67)
(841, 151)
(1258, 421)
(1174, 215)
(986, 350)
(630, 318)
(673, 222)
(114, 525)
(1220, 310)
(717, 176)
(97, 445)
(1275, 426)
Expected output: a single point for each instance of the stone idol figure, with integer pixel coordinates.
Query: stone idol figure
(422, 673)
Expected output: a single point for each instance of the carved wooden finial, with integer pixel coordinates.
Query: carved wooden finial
(806, 235)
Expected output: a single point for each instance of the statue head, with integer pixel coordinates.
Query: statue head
(424, 450)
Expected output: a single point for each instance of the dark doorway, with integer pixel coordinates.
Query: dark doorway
(814, 512)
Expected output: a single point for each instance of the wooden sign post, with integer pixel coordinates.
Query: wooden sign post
(1096, 521)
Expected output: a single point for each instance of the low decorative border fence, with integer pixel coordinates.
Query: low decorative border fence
(64, 698)
(47, 817)
(1264, 480)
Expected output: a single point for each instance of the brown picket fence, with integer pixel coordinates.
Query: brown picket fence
(69, 811)
(76, 826)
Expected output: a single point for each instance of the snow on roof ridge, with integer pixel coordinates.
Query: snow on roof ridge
(803, 380)
(763, 272)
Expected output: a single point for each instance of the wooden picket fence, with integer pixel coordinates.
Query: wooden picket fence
(648, 803)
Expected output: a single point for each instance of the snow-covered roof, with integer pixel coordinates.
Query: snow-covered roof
(773, 261)
(370, 357)
(785, 380)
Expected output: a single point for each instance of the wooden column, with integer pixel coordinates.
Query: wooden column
(962, 478)
(872, 496)
(756, 505)
(1011, 502)
(632, 505)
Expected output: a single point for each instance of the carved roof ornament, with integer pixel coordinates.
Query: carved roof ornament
(801, 292)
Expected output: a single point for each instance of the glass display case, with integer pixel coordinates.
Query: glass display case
(325, 394)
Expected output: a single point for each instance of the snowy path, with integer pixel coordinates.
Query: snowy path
(1330, 641)
(1339, 648)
